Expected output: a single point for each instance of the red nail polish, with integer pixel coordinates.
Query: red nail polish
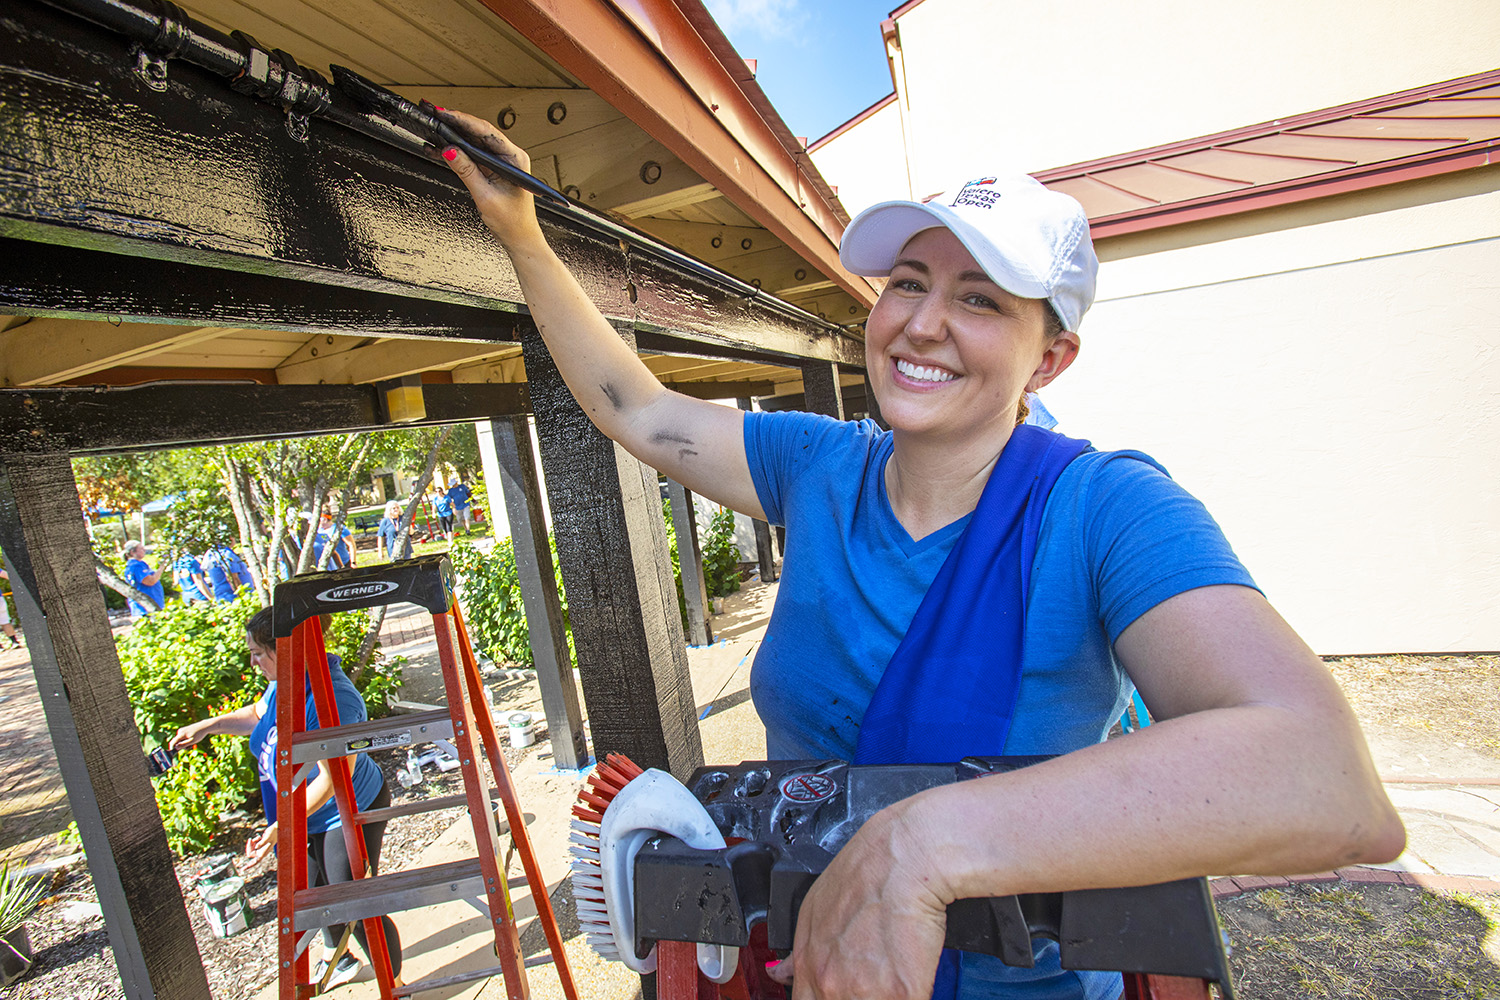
(772, 964)
(450, 154)
(440, 109)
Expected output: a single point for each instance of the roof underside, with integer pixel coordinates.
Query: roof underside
(460, 54)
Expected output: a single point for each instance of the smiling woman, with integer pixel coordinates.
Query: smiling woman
(962, 585)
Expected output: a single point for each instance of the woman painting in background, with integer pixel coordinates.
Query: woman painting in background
(1015, 582)
(327, 857)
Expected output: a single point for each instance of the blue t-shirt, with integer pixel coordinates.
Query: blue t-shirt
(388, 531)
(218, 563)
(459, 494)
(367, 777)
(183, 569)
(136, 570)
(1117, 538)
(442, 505)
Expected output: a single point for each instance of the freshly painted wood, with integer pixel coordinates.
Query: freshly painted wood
(510, 437)
(622, 598)
(93, 729)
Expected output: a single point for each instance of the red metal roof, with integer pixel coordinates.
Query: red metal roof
(1415, 133)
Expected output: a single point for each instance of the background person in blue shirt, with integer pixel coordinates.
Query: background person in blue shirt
(226, 572)
(187, 573)
(442, 506)
(327, 857)
(1256, 763)
(343, 553)
(143, 578)
(461, 497)
(385, 534)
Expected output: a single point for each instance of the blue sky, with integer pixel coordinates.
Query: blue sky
(820, 62)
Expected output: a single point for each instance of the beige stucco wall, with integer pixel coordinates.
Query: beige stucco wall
(994, 87)
(868, 160)
(1331, 391)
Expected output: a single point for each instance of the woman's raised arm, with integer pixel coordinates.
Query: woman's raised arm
(698, 443)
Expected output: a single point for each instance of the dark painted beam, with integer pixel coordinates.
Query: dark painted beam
(197, 174)
(183, 414)
(690, 562)
(93, 730)
(71, 282)
(820, 389)
(622, 599)
(510, 437)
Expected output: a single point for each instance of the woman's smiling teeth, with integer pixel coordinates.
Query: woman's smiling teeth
(919, 374)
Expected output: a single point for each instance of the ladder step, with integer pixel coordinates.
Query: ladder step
(373, 734)
(322, 905)
(457, 979)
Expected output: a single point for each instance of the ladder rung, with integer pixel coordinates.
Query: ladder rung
(415, 806)
(322, 905)
(457, 979)
(372, 734)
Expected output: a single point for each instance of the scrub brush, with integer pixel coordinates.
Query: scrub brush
(619, 809)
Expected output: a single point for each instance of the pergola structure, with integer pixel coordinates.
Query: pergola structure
(201, 241)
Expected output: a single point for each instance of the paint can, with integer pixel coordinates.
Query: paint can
(226, 908)
(215, 870)
(519, 724)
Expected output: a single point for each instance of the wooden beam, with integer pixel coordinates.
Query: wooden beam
(386, 360)
(506, 369)
(622, 598)
(690, 560)
(92, 725)
(530, 111)
(669, 201)
(510, 440)
(821, 390)
(179, 415)
(47, 351)
(722, 390)
(349, 217)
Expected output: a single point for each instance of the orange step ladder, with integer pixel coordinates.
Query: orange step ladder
(466, 721)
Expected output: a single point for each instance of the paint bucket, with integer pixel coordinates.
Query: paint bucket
(215, 870)
(226, 908)
(520, 729)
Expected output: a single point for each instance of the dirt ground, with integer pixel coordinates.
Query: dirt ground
(1365, 942)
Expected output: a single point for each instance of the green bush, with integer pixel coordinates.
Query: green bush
(188, 663)
(721, 556)
(490, 597)
(666, 513)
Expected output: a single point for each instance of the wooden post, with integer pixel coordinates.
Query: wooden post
(690, 561)
(765, 547)
(93, 729)
(872, 405)
(510, 437)
(622, 600)
(820, 388)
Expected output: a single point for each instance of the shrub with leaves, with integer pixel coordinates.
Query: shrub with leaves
(490, 596)
(18, 897)
(188, 663)
(721, 556)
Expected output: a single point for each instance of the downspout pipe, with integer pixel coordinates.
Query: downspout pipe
(163, 31)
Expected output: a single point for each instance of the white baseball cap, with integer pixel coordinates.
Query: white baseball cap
(1031, 241)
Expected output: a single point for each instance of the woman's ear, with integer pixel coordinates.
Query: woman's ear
(1055, 360)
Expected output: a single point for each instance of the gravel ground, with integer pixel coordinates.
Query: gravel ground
(73, 958)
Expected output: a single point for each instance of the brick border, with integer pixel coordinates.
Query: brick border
(1229, 887)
